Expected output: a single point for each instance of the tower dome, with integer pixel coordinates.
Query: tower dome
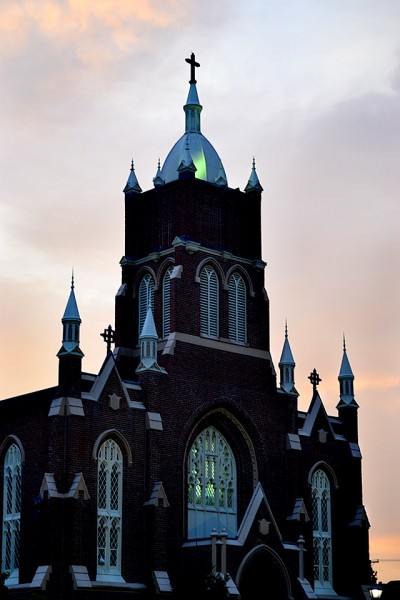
(205, 158)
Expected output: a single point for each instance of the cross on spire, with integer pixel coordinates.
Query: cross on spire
(193, 64)
(315, 379)
(108, 336)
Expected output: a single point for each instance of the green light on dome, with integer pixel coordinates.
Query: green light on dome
(200, 163)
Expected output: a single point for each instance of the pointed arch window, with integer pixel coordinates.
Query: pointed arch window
(237, 309)
(146, 299)
(322, 531)
(109, 510)
(211, 479)
(11, 511)
(166, 290)
(209, 302)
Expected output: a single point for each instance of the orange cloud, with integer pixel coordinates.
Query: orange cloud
(98, 30)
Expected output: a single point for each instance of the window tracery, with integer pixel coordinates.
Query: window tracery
(11, 509)
(109, 508)
(211, 485)
(322, 533)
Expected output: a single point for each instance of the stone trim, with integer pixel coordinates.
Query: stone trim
(205, 342)
(65, 406)
(78, 485)
(41, 577)
(154, 421)
(162, 582)
(80, 576)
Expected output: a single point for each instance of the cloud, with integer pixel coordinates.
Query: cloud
(101, 30)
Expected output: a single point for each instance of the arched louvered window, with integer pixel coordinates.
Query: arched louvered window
(109, 510)
(11, 511)
(146, 298)
(237, 309)
(211, 473)
(166, 289)
(322, 532)
(209, 301)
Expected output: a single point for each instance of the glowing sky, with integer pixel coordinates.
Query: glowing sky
(311, 88)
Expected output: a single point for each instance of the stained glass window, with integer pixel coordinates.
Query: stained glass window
(211, 485)
(321, 513)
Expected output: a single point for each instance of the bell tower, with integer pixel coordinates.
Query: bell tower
(196, 244)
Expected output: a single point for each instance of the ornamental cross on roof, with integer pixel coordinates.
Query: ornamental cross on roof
(315, 379)
(108, 336)
(193, 64)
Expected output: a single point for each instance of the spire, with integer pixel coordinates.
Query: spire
(158, 180)
(346, 381)
(132, 185)
(71, 325)
(148, 346)
(192, 107)
(287, 365)
(253, 183)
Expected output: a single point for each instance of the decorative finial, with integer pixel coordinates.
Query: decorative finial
(344, 343)
(132, 167)
(285, 328)
(158, 164)
(254, 163)
(72, 279)
(193, 64)
(315, 379)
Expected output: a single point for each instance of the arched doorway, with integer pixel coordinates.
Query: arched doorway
(263, 576)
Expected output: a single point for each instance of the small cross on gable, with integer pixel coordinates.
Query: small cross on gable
(315, 379)
(108, 335)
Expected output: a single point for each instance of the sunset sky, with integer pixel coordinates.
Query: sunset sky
(311, 88)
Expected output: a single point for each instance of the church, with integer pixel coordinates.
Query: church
(184, 467)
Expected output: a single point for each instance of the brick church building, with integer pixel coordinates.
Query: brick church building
(186, 455)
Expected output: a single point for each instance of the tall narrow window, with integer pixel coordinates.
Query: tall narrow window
(146, 299)
(209, 299)
(322, 533)
(167, 303)
(211, 486)
(237, 309)
(11, 511)
(109, 511)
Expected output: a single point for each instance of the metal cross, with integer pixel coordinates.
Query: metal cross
(193, 64)
(108, 336)
(315, 379)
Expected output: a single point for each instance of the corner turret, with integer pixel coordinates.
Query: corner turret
(253, 184)
(148, 346)
(347, 406)
(70, 355)
(286, 366)
(132, 185)
(346, 382)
